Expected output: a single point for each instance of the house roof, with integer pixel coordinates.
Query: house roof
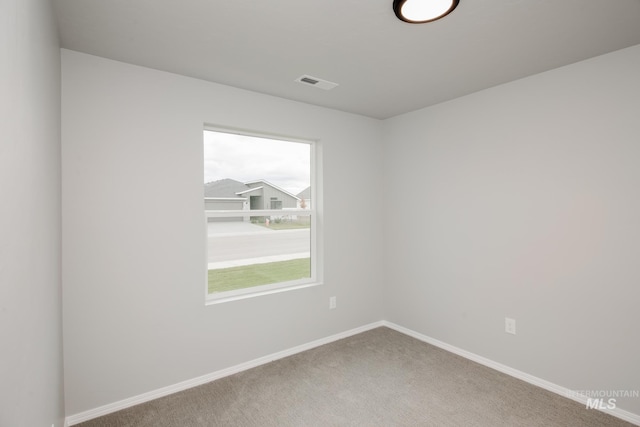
(250, 190)
(224, 188)
(262, 181)
(230, 188)
(305, 194)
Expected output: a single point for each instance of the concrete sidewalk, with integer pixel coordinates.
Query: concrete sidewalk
(261, 260)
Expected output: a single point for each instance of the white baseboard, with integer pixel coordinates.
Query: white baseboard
(562, 391)
(165, 391)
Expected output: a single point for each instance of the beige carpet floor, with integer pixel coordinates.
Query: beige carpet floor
(377, 378)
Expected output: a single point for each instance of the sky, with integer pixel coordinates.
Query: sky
(247, 158)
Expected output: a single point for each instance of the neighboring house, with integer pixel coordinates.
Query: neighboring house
(224, 195)
(229, 194)
(264, 195)
(304, 196)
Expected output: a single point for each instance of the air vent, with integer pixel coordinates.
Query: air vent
(316, 82)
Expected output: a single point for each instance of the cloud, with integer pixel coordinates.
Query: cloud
(247, 158)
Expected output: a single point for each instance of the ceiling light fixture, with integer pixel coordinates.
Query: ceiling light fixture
(421, 11)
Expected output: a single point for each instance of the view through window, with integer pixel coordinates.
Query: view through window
(259, 209)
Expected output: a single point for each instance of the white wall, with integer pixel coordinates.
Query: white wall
(525, 204)
(31, 390)
(133, 264)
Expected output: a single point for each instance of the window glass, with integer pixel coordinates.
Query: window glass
(259, 222)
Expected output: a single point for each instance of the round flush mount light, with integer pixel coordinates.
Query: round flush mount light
(421, 11)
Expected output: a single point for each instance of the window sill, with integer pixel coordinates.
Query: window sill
(240, 294)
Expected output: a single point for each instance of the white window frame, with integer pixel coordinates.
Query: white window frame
(315, 243)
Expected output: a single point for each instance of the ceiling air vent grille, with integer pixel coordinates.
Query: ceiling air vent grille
(316, 82)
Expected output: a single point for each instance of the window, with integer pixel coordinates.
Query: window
(261, 229)
(275, 203)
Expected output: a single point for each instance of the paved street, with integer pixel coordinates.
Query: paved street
(235, 241)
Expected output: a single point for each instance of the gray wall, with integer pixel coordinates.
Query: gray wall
(227, 205)
(530, 209)
(267, 192)
(134, 311)
(30, 307)
(224, 205)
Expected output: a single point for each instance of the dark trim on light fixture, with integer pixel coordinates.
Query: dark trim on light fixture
(397, 9)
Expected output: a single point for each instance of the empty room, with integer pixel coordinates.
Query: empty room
(317, 213)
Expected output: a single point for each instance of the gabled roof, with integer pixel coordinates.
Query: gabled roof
(305, 194)
(224, 188)
(262, 181)
(231, 189)
(242, 193)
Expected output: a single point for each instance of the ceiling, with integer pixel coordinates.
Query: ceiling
(384, 67)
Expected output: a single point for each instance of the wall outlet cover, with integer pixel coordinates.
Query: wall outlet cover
(510, 325)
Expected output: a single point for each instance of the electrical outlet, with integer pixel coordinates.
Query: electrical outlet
(510, 325)
(332, 303)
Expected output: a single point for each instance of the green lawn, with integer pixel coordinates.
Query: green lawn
(228, 279)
